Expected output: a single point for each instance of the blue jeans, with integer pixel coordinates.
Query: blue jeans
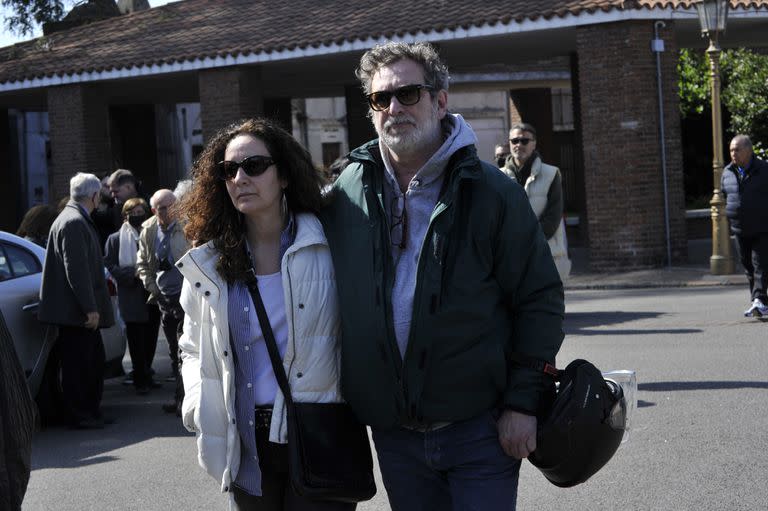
(460, 467)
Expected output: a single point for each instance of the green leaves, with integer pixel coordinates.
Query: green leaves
(693, 82)
(24, 15)
(744, 77)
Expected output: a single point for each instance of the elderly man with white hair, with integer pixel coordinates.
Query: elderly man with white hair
(161, 244)
(74, 296)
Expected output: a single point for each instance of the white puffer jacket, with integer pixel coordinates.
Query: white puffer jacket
(537, 188)
(311, 360)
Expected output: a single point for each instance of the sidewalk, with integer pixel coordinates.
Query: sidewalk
(679, 276)
(694, 274)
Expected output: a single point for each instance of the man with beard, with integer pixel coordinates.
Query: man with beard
(443, 273)
(543, 185)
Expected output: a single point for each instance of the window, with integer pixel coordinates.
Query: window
(562, 109)
(17, 262)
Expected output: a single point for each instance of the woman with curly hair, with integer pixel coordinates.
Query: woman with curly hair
(251, 212)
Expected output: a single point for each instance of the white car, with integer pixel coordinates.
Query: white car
(21, 266)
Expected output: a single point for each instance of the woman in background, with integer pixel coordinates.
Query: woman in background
(120, 259)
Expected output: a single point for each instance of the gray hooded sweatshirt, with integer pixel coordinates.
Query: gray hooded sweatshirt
(419, 201)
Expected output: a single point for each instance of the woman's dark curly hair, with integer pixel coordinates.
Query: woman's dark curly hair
(208, 209)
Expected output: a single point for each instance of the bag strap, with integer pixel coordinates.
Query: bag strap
(536, 364)
(269, 338)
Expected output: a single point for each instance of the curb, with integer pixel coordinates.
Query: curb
(648, 285)
(654, 280)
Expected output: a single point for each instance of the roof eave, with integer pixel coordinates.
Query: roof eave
(314, 50)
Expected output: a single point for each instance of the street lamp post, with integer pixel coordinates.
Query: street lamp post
(712, 17)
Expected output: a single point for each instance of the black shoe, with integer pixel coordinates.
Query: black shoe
(172, 408)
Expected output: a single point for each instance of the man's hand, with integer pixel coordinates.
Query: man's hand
(517, 433)
(92, 320)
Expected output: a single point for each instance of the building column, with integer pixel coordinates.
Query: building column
(227, 95)
(79, 129)
(623, 175)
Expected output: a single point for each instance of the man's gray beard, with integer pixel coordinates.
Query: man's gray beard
(421, 137)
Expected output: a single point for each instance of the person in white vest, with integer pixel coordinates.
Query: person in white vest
(543, 185)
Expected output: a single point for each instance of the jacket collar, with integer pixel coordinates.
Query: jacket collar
(200, 262)
(82, 211)
(463, 164)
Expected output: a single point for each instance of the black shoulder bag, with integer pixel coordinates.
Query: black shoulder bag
(329, 455)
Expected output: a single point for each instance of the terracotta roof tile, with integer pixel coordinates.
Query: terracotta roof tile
(194, 29)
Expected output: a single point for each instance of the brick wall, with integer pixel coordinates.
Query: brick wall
(79, 124)
(622, 155)
(228, 95)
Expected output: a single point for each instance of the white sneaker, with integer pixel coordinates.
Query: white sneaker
(757, 309)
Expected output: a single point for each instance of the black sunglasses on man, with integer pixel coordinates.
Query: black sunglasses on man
(407, 95)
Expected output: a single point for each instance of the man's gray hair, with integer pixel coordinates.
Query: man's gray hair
(182, 187)
(122, 176)
(743, 140)
(435, 72)
(82, 186)
(523, 126)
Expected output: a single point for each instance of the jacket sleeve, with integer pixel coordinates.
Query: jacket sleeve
(189, 344)
(144, 269)
(124, 275)
(553, 213)
(722, 182)
(77, 270)
(534, 297)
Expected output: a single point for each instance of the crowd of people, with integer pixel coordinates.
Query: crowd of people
(397, 289)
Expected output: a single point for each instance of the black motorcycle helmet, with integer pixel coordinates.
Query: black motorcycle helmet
(583, 428)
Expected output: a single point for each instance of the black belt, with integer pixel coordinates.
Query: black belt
(262, 417)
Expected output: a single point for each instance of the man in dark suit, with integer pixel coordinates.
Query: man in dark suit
(74, 296)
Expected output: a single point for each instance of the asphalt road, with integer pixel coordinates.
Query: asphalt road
(698, 440)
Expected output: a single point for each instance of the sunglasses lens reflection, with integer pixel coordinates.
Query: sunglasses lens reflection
(408, 95)
(252, 166)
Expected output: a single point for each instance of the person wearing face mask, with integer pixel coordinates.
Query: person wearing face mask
(74, 297)
(120, 259)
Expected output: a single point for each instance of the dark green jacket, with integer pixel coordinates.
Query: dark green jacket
(486, 286)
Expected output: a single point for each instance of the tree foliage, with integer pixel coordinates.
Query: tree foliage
(22, 16)
(744, 94)
(693, 82)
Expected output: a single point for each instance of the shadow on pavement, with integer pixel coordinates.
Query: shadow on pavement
(582, 323)
(137, 419)
(663, 386)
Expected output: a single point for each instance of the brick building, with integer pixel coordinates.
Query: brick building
(112, 92)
